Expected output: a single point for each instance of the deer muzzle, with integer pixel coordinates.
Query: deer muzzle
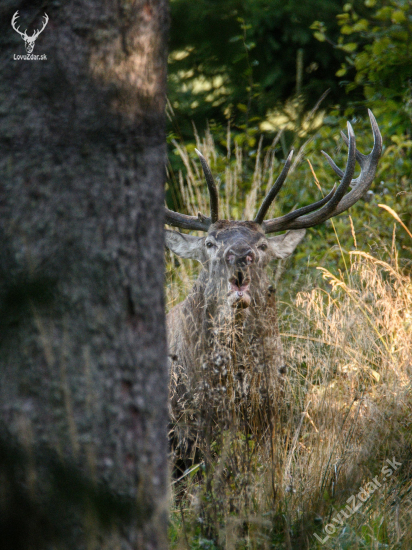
(238, 295)
(238, 259)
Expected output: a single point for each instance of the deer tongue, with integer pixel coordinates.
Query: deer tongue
(238, 295)
(236, 287)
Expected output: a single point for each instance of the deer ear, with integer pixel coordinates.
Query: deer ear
(282, 246)
(185, 246)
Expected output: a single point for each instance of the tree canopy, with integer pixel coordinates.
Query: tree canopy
(237, 55)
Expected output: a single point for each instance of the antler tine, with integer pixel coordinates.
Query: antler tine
(214, 199)
(346, 179)
(334, 198)
(278, 223)
(369, 162)
(199, 223)
(336, 169)
(338, 203)
(270, 197)
(13, 24)
(46, 20)
(368, 165)
(359, 156)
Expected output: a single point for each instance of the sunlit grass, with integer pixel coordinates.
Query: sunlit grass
(344, 410)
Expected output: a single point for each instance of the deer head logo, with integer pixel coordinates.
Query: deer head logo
(29, 41)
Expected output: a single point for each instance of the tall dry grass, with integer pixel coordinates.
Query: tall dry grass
(344, 410)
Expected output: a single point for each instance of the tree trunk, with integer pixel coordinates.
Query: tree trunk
(83, 375)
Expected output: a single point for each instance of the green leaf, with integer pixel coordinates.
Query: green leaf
(319, 36)
(384, 14)
(317, 25)
(360, 25)
(346, 29)
(398, 16)
(350, 47)
(380, 46)
(361, 61)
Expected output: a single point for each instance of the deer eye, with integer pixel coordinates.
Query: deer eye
(263, 246)
(209, 244)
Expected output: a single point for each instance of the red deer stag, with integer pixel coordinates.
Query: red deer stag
(224, 335)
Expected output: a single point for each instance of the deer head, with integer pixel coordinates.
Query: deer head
(29, 41)
(235, 254)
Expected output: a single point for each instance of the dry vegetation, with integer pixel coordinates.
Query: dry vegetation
(344, 409)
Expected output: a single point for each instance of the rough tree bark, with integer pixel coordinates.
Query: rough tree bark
(83, 372)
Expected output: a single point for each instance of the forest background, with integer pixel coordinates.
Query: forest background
(292, 73)
(248, 81)
(83, 374)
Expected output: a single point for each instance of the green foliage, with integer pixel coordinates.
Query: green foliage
(351, 307)
(376, 38)
(375, 35)
(238, 58)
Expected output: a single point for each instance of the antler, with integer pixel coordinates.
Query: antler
(13, 24)
(36, 33)
(24, 34)
(270, 197)
(199, 222)
(335, 202)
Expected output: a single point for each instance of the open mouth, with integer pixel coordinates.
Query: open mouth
(238, 295)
